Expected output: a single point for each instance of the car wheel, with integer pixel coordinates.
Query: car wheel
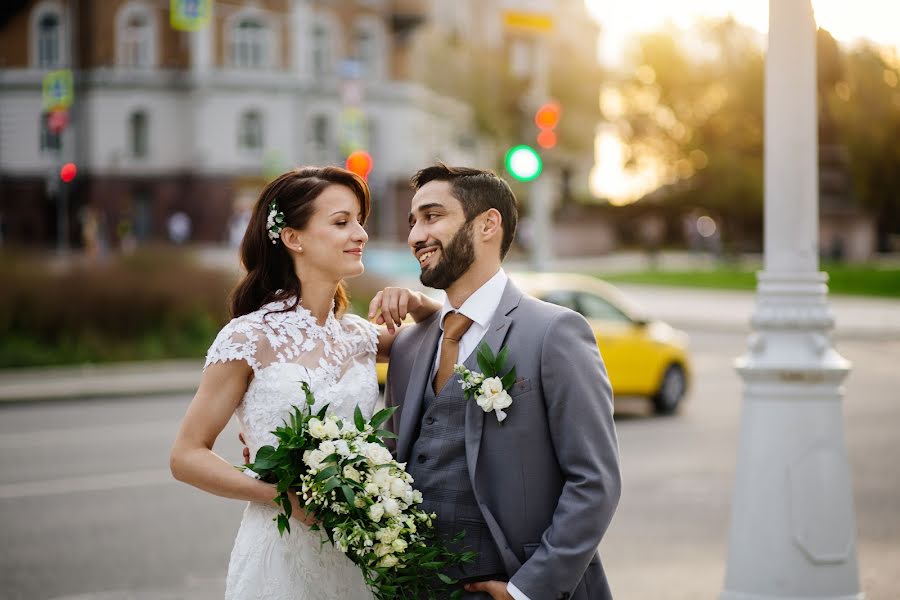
(671, 390)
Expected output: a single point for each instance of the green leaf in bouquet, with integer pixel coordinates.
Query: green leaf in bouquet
(358, 419)
(349, 495)
(381, 416)
(456, 594)
(333, 458)
(384, 433)
(331, 484)
(310, 399)
(444, 578)
(326, 473)
(283, 524)
(264, 460)
(509, 379)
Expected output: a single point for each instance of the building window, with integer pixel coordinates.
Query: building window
(49, 34)
(135, 30)
(322, 61)
(138, 132)
(320, 140)
(250, 44)
(368, 47)
(250, 132)
(50, 142)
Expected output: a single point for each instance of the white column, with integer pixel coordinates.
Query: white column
(793, 530)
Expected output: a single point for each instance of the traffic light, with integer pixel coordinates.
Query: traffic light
(360, 162)
(546, 118)
(67, 172)
(523, 163)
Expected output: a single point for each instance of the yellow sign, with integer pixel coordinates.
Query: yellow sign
(58, 90)
(528, 21)
(189, 15)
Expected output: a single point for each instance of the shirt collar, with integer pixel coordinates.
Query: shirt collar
(483, 303)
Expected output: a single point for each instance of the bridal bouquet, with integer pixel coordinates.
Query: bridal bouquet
(362, 499)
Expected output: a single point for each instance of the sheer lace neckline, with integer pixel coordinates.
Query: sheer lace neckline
(306, 316)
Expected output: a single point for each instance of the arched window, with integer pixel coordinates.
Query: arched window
(135, 35)
(250, 44)
(49, 42)
(250, 132)
(138, 134)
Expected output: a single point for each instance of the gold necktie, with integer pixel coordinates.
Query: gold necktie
(455, 326)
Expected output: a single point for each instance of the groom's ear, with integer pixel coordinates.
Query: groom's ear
(491, 225)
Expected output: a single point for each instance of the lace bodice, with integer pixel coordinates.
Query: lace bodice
(337, 359)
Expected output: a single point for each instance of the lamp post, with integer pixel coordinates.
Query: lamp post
(793, 531)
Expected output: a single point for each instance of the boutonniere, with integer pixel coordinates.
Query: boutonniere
(490, 387)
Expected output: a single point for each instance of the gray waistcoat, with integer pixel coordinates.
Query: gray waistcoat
(438, 464)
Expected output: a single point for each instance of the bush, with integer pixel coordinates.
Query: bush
(154, 304)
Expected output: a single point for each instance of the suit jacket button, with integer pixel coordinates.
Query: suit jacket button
(429, 420)
(422, 458)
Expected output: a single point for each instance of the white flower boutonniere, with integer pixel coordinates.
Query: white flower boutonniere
(490, 387)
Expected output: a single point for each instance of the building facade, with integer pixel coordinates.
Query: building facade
(167, 122)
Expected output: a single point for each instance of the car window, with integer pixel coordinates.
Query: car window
(595, 307)
(564, 298)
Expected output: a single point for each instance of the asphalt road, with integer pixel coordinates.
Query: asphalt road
(89, 511)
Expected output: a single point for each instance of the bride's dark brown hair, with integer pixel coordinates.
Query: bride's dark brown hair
(270, 270)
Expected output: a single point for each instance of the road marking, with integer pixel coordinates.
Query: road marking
(90, 483)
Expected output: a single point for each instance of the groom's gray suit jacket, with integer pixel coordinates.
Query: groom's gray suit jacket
(547, 481)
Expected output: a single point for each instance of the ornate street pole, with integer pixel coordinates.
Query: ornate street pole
(793, 531)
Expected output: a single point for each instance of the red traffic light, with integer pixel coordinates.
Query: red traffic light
(67, 172)
(360, 162)
(547, 116)
(546, 139)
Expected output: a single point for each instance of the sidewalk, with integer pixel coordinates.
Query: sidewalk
(690, 309)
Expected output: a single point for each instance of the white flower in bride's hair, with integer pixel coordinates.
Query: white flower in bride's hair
(316, 428)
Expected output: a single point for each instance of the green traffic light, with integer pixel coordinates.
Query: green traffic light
(523, 163)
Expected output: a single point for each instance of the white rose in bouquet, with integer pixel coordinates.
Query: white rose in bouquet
(391, 507)
(316, 428)
(376, 512)
(388, 561)
(387, 535)
(332, 430)
(351, 474)
(399, 489)
(327, 448)
(342, 447)
(382, 479)
(372, 489)
(378, 454)
(383, 549)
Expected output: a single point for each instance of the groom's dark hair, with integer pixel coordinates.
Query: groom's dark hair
(477, 190)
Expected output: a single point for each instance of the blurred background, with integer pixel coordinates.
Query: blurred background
(135, 136)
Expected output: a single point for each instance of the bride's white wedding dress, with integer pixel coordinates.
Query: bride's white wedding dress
(338, 361)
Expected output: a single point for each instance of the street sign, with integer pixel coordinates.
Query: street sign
(58, 90)
(189, 15)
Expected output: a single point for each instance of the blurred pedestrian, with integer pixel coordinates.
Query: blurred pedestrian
(179, 226)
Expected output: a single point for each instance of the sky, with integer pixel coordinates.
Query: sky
(847, 20)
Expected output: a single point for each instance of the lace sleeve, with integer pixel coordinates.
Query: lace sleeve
(367, 331)
(237, 341)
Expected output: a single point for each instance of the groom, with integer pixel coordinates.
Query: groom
(535, 494)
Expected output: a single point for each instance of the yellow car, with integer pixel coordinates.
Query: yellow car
(643, 357)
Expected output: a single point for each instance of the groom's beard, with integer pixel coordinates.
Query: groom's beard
(455, 259)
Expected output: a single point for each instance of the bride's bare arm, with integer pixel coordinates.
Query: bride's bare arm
(390, 306)
(192, 460)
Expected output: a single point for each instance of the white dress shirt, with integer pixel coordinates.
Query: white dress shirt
(480, 307)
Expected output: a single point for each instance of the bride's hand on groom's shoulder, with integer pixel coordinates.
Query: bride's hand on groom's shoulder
(496, 589)
(392, 304)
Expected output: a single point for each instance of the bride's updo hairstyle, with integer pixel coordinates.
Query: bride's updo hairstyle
(270, 269)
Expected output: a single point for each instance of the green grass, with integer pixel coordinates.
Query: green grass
(843, 279)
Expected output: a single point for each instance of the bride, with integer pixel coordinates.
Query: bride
(290, 325)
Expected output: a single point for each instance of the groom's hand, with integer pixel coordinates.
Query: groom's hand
(496, 589)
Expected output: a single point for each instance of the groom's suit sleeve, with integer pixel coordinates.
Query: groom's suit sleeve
(578, 400)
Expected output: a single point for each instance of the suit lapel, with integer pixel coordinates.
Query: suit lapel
(494, 337)
(415, 390)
